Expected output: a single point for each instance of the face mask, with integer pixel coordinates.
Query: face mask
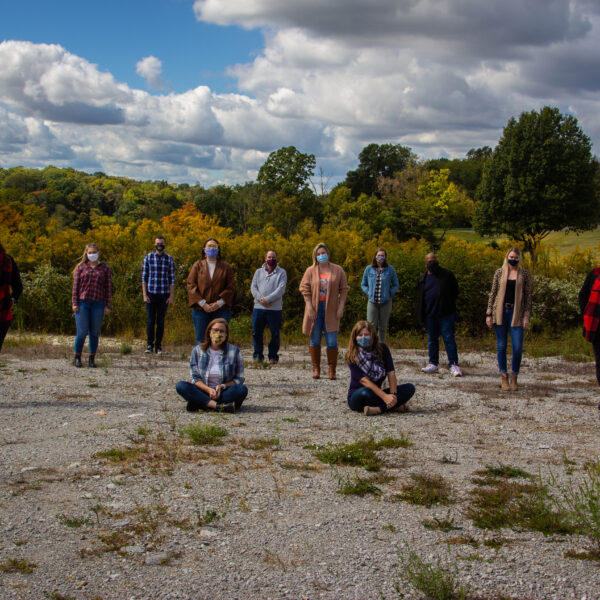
(272, 262)
(513, 261)
(217, 337)
(93, 257)
(433, 265)
(364, 341)
(211, 252)
(322, 258)
(380, 259)
(159, 247)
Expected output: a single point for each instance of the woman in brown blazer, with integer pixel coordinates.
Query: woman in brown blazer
(210, 288)
(509, 307)
(324, 287)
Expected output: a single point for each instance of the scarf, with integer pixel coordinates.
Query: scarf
(370, 364)
(591, 314)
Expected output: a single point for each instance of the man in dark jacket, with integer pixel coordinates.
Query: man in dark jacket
(589, 302)
(438, 290)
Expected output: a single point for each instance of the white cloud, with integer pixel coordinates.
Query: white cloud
(150, 68)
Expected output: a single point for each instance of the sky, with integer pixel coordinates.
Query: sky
(201, 91)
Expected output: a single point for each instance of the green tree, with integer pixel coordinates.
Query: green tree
(541, 178)
(376, 161)
(287, 170)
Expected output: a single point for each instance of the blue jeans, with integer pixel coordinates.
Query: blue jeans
(197, 399)
(363, 396)
(516, 340)
(319, 329)
(261, 318)
(444, 326)
(202, 319)
(88, 320)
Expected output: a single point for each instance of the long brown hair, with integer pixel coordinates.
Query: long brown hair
(353, 347)
(206, 343)
(84, 258)
(374, 263)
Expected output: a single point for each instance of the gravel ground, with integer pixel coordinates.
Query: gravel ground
(174, 520)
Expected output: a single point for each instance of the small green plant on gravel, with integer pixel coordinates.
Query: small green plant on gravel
(360, 453)
(585, 555)
(462, 539)
(119, 454)
(74, 522)
(93, 384)
(17, 565)
(497, 542)
(143, 432)
(430, 579)
(389, 527)
(56, 595)
(204, 434)
(290, 420)
(358, 486)
(260, 443)
(426, 490)
(21, 542)
(125, 348)
(582, 502)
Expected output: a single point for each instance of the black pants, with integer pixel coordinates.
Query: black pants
(156, 310)
(596, 346)
(4, 325)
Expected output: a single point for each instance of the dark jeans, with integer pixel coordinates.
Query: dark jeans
(443, 326)
(261, 318)
(156, 310)
(363, 396)
(88, 320)
(197, 399)
(4, 325)
(202, 319)
(516, 340)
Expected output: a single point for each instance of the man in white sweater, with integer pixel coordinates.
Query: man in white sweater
(268, 288)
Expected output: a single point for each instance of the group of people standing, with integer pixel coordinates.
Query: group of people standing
(216, 366)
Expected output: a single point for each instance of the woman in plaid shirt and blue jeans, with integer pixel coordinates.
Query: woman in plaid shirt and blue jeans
(216, 372)
(92, 291)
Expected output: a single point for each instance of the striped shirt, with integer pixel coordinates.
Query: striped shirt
(92, 283)
(158, 272)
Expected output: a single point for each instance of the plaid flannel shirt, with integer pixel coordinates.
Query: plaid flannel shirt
(92, 283)
(231, 365)
(158, 272)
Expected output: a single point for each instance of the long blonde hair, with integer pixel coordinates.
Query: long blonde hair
(353, 347)
(84, 258)
(516, 250)
(317, 248)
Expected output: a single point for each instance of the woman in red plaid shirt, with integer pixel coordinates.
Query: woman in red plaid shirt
(92, 291)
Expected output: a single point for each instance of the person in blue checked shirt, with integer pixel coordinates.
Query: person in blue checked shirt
(216, 372)
(158, 288)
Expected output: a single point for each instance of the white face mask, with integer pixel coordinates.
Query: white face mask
(93, 257)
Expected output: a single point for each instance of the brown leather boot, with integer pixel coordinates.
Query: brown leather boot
(505, 386)
(513, 383)
(332, 354)
(315, 357)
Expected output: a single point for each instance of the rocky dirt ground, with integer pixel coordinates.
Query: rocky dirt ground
(259, 516)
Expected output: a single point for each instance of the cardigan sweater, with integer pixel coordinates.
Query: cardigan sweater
(200, 285)
(523, 296)
(337, 290)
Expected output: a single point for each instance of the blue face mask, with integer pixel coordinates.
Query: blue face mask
(322, 258)
(364, 341)
(211, 252)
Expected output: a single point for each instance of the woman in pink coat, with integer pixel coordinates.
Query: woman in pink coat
(324, 287)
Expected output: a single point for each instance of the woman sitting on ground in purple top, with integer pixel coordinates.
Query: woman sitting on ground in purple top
(370, 362)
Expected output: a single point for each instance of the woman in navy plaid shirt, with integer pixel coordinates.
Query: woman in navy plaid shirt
(216, 370)
(92, 291)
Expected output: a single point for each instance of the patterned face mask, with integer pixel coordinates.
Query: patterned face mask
(217, 337)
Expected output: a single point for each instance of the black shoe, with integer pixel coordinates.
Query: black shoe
(148, 349)
(158, 350)
(77, 361)
(92, 362)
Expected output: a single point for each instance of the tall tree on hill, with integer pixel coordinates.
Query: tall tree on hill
(541, 178)
(377, 161)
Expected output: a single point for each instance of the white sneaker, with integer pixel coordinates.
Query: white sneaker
(430, 368)
(455, 371)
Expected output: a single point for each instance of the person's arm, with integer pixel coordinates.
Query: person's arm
(489, 317)
(527, 299)
(145, 275)
(343, 293)
(279, 290)
(389, 399)
(108, 290)
(586, 290)
(306, 291)
(364, 284)
(254, 286)
(395, 283)
(75, 292)
(16, 284)
(171, 297)
(227, 293)
(194, 296)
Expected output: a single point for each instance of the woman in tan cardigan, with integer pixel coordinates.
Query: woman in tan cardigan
(324, 287)
(509, 307)
(210, 288)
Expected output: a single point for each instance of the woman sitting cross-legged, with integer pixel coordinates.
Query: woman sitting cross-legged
(370, 363)
(217, 372)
